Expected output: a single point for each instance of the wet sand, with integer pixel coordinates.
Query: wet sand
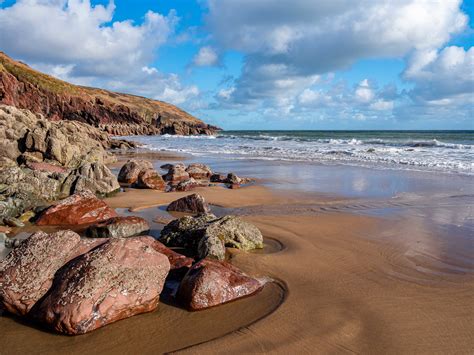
(352, 275)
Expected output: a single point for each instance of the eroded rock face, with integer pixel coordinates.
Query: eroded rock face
(129, 172)
(43, 161)
(118, 227)
(27, 272)
(150, 179)
(81, 208)
(119, 279)
(208, 236)
(199, 171)
(194, 203)
(210, 283)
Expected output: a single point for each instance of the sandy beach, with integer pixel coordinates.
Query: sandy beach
(350, 275)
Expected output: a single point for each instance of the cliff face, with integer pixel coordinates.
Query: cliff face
(115, 113)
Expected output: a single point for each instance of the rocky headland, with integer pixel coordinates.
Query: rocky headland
(114, 113)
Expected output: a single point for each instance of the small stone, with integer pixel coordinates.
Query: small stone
(25, 217)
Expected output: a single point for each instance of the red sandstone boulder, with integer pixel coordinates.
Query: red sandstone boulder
(117, 280)
(176, 174)
(199, 171)
(194, 203)
(210, 283)
(129, 172)
(188, 185)
(233, 179)
(80, 208)
(118, 227)
(27, 272)
(150, 179)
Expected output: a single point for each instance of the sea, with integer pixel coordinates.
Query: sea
(450, 152)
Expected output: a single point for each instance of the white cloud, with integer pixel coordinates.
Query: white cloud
(443, 77)
(381, 105)
(364, 92)
(207, 56)
(297, 40)
(81, 43)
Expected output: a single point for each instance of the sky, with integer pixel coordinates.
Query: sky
(263, 64)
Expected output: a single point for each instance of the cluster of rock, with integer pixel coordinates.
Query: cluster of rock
(179, 177)
(43, 161)
(75, 285)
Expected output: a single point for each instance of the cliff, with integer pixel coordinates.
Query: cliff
(115, 113)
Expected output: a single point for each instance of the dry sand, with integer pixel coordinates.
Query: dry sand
(345, 283)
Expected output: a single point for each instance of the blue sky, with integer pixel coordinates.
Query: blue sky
(267, 64)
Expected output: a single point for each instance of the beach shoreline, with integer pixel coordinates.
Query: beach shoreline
(353, 274)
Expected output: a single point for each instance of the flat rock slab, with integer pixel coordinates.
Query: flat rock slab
(119, 279)
(80, 208)
(27, 273)
(211, 282)
(118, 227)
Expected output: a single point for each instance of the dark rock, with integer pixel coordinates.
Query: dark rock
(81, 208)
(118, 227)
(218, 178)
(129, 172)
(208, 236)
(194, 203)
(210, 283)
(117, 280)
(233, 179)
(150, 179)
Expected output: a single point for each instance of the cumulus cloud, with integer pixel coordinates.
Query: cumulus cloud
(442, 77)
(206, 56)
(81, 43)
(299, 40)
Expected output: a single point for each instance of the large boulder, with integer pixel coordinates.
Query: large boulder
(119, 279)
(199, 171)
(26, 274)
(81, 208)
(118, 227)
(129, 172)
(208, 236)
(194, 203)
(210, 283)
(150, 179)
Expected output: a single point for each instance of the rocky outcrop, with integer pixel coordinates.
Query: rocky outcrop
(26, 274)
(80, 208)
(208, 236)
(176, 174)
(118, 227)
(116, 280)
(129, 172)
(210, 283)
(113, 113)
(42, 161)
(194, 203)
